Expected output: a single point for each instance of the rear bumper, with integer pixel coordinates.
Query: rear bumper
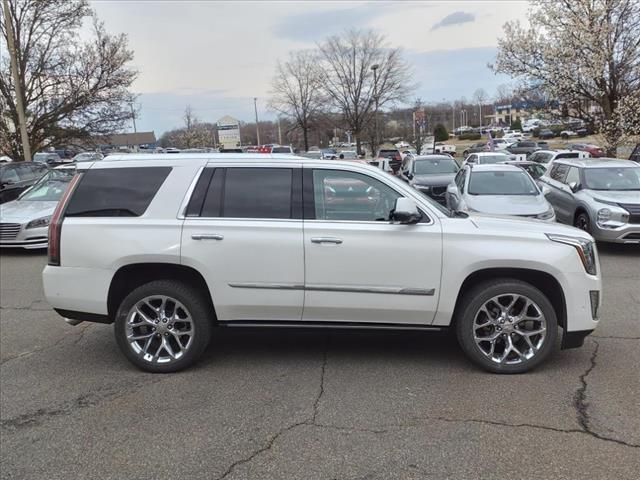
(74, 289)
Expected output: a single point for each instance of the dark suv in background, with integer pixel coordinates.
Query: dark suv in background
(16, 177)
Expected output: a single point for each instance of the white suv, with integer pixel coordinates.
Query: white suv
(168, 247)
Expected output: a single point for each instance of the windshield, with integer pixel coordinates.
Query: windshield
(48, 191)
(501, 183)
(86, 157)
(610, 178)
(485, 159)
(432, 167)
(281, 150)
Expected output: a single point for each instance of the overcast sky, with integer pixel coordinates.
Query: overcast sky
(217, 56)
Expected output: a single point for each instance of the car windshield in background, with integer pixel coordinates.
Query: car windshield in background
(502, 183)
(432, 167)
(485, 159)
(48, 191)
(349, 155)
(280, 150)
(536, 171)
(609, 178)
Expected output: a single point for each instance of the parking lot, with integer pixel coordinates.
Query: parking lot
(297, 404)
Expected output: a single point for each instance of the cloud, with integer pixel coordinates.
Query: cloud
(456, 18)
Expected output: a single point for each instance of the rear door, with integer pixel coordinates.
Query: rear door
(359, 266)
(557, 189)
(243, 231)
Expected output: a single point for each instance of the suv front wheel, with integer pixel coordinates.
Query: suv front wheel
(163, 326)
(506, 326)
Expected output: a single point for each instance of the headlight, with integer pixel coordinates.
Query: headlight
(611, 218)
(547, 215)
(39, 222)
(586, 250)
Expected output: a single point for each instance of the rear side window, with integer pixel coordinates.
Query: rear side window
(246, 193)
(559, 172)
(116, 192)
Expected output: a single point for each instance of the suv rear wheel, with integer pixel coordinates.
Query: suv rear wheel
(506, 326)
(163, 326)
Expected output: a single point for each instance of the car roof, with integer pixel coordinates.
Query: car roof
(495, 167)
(433, 157)
(486, 154)
(519, 163)
(559, 151)
(596, 162)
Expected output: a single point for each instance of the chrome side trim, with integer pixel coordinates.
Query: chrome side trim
(368, 289)
(268, 286)
(429, 292)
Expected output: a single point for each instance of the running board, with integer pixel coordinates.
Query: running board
(327, 325)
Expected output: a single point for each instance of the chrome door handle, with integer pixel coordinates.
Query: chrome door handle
(207, 236)
(336, 241)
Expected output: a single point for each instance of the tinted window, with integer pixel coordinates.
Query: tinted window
(9, 175)
(435, 166)
(257, 193)
(116, 192)
(281, 150)
(568, 155)
(340, 195)
(559, 172)
(24, 172)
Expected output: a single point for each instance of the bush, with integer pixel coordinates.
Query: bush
(469, 136)
(440, 133)
(516, 125)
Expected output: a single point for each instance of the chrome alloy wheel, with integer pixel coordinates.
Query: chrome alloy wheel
(509, 328)
(159, 329)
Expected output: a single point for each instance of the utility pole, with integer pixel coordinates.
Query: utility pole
(133, 117)
(375, 98)
(453, 117)
(26, 148)
(255, 107)
(279, 132)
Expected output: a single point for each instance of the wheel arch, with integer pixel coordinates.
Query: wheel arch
(543, 281)
(129, 277)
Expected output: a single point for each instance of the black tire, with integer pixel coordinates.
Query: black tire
(583, 222)
(476, 298)
(198, 309)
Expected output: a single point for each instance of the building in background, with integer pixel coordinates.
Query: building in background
(128, 141)
(229, 132)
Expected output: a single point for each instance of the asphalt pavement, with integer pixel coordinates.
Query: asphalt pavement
(286, 404)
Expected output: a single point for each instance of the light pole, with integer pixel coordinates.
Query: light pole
(26, 147)
(133, 117)
(279, 133)
(255, 107)
(375, 98)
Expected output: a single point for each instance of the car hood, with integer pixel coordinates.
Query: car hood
(524, 226)
(431, 180)
(615, 196)
(20, 211)
(508, 204)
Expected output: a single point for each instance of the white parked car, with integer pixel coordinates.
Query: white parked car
(168, 247)
(24, 222)
(498, 190)
(485, 158)
(545, 157)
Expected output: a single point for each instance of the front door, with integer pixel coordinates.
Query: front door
(243, 232)
(359, 266)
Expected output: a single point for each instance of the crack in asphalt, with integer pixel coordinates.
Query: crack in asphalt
(79, 333)
(310, 421)
(29, 307)
(615, 337)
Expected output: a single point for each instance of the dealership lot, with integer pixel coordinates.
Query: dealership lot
(297, 404)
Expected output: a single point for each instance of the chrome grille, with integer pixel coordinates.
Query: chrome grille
(9, 231)
(634, 211)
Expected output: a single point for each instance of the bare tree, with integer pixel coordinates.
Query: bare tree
(72, 89)
(348, 78)
(479, 97)
(296, 92)
(194, 134)
(419, 118)
(583, 53)
(504, 94)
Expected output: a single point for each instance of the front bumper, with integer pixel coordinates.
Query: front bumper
(31, 238)
(629, 233)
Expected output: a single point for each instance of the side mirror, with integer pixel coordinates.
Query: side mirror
(410, 175)
(574, 186)
(405, 212)
(545, 190)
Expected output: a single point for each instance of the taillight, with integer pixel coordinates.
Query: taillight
(397, 156)
(55, 226)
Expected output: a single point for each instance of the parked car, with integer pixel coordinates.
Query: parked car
(498, 190)
(47, 158)
(440, 147)
(546, 133)
(508, 283)
(545, 157)
(536, 170)
(88, 157)
(635, 155)
(5, 159)
(599, 196)
(523, 147)
(593, 150)
(24, 222)
(476, 147)
(313, 154)
(15, 177)
(483, 158)
(394, 156)
(568, 133)
(431, 174)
